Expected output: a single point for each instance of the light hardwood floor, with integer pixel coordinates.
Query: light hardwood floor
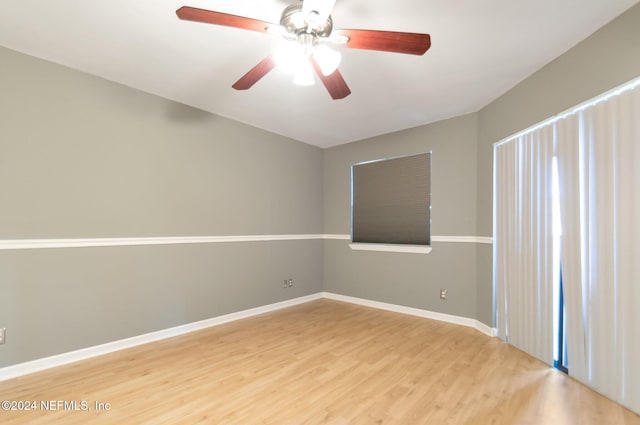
(323, 362)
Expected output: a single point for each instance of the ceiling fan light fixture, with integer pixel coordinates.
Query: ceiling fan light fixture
(327, 58)
(289, 56)
(304, 75)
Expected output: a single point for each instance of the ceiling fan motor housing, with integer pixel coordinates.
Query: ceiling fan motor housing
(295, 22)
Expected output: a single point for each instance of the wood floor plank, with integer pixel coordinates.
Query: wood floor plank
(323, 362)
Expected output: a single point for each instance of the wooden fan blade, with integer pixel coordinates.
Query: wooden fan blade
(255, 74)
(387, 41)
(217, 18)
(334, 83)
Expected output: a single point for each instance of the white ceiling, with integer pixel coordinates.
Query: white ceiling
(480, 49)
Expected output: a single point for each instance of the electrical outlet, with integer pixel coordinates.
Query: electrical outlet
(290, 283)
(443, 294)
(3, 334)
(286, 283)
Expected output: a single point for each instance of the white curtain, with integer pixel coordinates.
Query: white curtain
(523, 242)
(599, 172)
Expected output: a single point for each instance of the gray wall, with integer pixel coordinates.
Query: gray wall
(412, 280)
(81, 157)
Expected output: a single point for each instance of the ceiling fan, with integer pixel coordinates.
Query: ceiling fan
(306, 27)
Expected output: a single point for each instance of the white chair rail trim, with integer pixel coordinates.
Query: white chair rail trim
(14, 244)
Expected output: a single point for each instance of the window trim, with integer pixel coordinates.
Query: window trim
(405, 248)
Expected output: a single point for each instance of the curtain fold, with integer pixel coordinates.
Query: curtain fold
(569, 159)
(523, 233)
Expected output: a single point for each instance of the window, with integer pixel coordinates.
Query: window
(391, 204)
(560, 360)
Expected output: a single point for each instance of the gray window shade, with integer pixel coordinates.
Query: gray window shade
(391, 201)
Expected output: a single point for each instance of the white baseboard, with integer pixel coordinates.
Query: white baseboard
(98, 350)
(464, 321)
(38, 365)
(486, 329)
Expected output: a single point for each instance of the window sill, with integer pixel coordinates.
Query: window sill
(413, 249)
